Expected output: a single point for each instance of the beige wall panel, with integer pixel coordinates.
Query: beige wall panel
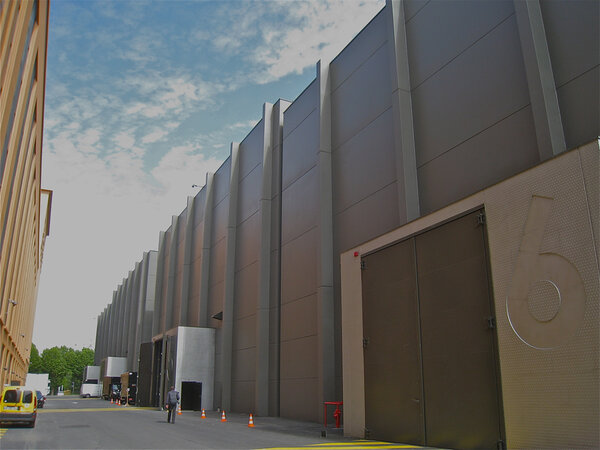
(542, 226)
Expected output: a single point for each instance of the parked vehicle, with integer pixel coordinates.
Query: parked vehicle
(18, 404)
(90, 390)
(38, 381)
(41, 399)
(111, 369)
(111, 388)
(128, 387)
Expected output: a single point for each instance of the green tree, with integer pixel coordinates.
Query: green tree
(64, 365)
(35, 361)
(53, 363)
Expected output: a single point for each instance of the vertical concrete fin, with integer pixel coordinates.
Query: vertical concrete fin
(264, 283)
(326, 361)
(540, 79)
(158, 317)
(188, 248)
(206, 240)
(229, 295)
(404, 136)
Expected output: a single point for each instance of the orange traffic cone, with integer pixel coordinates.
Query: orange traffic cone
(223, 418)
(179, 410)
(251, 422)
(203, 416)
(111, 401)
(119, 401)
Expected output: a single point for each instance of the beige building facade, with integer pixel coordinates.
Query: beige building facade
(541, 249)
(24, 206)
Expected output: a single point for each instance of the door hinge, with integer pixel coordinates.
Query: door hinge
(481, 218)
(365, 342)
(363, 264)
(491, 322)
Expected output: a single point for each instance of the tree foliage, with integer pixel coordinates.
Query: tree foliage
(35, 361)
(64, 365)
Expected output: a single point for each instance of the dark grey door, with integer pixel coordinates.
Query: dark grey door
(430, 365)
(459, 362)
(393, 385)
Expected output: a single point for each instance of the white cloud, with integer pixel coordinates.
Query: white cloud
(281, 38)
(125, 139)
(154, 136)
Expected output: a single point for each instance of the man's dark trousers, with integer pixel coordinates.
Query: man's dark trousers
(172, 412)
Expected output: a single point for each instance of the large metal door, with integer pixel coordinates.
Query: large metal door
(459, 362)
(430, 365)
(393, 385)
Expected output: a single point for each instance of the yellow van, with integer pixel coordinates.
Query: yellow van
(18, 404)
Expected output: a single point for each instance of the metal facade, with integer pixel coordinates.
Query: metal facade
(431, 103)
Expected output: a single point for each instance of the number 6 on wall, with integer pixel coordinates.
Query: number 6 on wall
(546, 298)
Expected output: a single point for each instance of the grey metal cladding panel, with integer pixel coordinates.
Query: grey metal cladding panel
(503, 150)
(371, 217)
(573, 37)
(300, 206)
(244, 334)
(215, 303)
(251, 149)
(579, 103)
(412, 7)
(479, 88)
(299, 267)
(249, 193)
(195, 279)
(180, 253)
(198, 238)
(246, 291)
(306, 102)
(361, 98)
(217, 262)
(299, 358)
(300, 149)
(364, 164)
(242, 395)
(299, 318)
(199, 206)
(300, 399)
(182, 221)
(358, 50)
(247, 242)
(221, 181)
(220, 220)
(442, 30)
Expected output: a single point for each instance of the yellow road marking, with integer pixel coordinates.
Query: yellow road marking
(362, 442)
(348, 447)
(124, 408)
(356, 445)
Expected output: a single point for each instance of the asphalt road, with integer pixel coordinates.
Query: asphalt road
(74, 423)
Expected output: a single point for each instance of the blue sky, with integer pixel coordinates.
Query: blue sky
(142, 99)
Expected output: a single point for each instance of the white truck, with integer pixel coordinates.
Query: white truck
(39, 382)
(90, 390)
(91, 386)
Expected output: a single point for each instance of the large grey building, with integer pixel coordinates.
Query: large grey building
(380, 240)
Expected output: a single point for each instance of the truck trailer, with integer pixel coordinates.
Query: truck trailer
(90, 390)
(111, 369)
(39, 382)
(129, 387)
(91, 375)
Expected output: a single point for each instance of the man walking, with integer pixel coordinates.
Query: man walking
(172, 400)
